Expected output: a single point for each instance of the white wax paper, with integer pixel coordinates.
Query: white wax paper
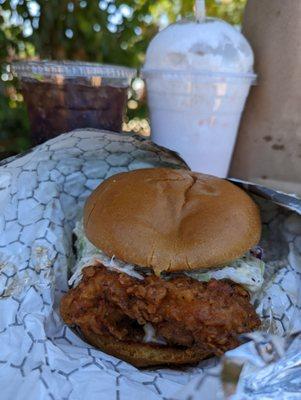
(41, 197)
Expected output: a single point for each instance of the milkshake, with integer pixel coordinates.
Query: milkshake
(198, 76)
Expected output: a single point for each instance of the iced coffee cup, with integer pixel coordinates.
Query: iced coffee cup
(62, 96)
(198, 76)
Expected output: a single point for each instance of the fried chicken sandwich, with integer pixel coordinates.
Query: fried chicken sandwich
(165, 267)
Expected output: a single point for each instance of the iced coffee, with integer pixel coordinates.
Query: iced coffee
(62, 96)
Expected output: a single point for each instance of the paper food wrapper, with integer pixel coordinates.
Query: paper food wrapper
(41, 197)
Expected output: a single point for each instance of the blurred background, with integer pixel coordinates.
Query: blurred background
(105, 31)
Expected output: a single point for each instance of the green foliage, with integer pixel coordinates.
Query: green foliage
(106, 31)
(14, 129)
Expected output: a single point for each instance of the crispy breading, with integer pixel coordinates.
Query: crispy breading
(183, 311)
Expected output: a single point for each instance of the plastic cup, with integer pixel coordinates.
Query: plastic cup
(62, 96)
(197, 115)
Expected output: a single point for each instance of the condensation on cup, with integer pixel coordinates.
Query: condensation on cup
(198, 76)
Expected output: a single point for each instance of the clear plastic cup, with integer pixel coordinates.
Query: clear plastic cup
(197, 114)
(66, 95)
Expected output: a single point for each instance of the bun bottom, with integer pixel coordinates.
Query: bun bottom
(145, 354)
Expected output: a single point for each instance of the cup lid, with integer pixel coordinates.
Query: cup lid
(71, 69)
(210, 47)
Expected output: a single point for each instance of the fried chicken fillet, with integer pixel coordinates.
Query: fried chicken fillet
(185, 313)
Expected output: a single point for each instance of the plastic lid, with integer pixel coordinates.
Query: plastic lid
(209, 46)
(71, 69)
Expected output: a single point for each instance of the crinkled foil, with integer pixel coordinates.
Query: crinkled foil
(41, 196)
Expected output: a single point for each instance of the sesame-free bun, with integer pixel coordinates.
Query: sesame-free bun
(171, 220)
(145, 354)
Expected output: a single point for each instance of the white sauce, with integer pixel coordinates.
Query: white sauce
(247, 271)
(150, 335)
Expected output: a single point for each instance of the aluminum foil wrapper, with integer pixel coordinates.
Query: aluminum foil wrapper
(41, 197)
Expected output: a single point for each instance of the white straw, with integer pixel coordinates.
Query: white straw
(200, 10)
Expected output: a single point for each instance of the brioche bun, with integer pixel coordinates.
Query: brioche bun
(171, 220)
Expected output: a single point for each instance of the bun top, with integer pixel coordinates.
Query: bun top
(171, 220)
